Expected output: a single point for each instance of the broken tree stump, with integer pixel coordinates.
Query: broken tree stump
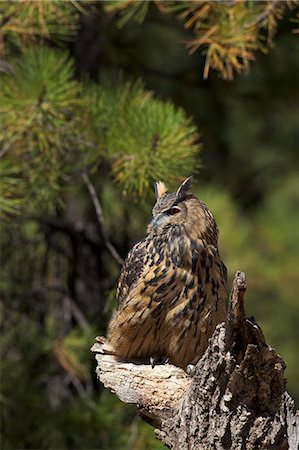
(236, 399)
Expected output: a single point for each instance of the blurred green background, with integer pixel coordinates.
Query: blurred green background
(125, 104)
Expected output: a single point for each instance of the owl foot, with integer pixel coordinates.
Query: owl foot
(155, 361)
(190, 369)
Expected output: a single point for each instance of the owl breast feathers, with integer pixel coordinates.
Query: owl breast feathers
(172, 289)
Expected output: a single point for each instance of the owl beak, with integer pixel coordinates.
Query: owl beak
(157, 220)
(154, 221)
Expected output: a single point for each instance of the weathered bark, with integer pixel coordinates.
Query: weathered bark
(235, 400)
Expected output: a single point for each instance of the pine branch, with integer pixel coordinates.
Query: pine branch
(229, 31)
(42, 121)
(23, 21)
(143, 138)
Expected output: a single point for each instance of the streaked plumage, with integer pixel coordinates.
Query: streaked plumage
(172, 289)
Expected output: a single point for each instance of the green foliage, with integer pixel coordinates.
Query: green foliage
(159, 144)
(147, 139)
(28, 414)
(70, 351)
(51, 123)
(47, 400)
(10, 188)
(231, 35)
(25, 20)
(128, 10)
(107, 102)
(40, 113)
(40, 104)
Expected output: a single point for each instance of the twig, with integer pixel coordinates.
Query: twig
(4, 150)
(78, 314)
(100, 217)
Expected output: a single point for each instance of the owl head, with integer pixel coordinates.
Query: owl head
(184, 210)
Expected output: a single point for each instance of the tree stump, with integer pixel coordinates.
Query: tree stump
(235, 400)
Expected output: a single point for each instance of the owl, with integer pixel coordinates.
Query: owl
(172, 288)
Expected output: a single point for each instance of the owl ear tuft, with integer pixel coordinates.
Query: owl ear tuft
(160, 189)
(182, 190)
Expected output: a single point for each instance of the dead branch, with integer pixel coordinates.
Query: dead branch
(236, 399)
(99, 213)
(156, 391)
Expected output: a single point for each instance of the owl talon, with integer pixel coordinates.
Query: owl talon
(190, 370)
(154, 361)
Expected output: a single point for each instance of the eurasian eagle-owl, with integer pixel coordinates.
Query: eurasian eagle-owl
(172, 288)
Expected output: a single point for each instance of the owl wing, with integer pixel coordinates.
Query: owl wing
(131, 270)
(214, 272)
(167, 305)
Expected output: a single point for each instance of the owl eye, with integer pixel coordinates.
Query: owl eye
(173, 211)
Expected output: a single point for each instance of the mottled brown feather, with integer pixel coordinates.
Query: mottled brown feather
(172, 288)
(131, 270)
